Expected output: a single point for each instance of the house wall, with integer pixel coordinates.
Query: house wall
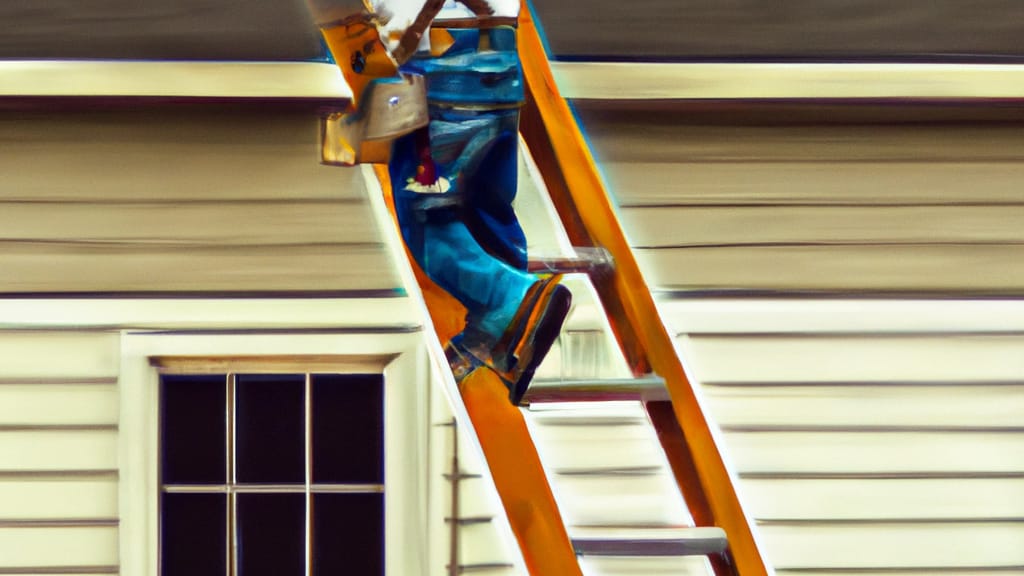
(171, 200)
(78, 426)
(788, 201)
(846, 295)
(59, 449)
(799, 29)
(140, 231)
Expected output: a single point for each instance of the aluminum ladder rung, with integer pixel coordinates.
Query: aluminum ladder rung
(480, 568)
(588, 260)
(648, 388)
(649, 542)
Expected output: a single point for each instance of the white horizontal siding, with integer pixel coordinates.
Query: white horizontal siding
(477, 498)
(620, 136)
(58, 404)
(914, 207)
(58, 498)
(903, 447)
(868, 435)
(56, 450)
(140, 267)
(888, 546)
(925, 267)
(480, 544)
(810, 358)
(607, 469)
(686, 226)
(858, 406)
(597, 447)
(58, 355)
(184, 223)
(893, 452)
(879, 317)
(641, 500)
(58, 547)
(166, 201)
(682, 182)
(390, 313)
(59, 412)
(167, 156)
(885, 499)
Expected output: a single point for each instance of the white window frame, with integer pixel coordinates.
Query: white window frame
(400, 357)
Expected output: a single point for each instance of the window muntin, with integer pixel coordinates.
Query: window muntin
(287, 478)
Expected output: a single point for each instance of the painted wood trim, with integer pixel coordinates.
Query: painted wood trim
(802, 81)
(270, 363)
(171, 79)
(404, 446)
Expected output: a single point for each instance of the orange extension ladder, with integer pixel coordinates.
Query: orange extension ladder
(723, 532)
(579, 195)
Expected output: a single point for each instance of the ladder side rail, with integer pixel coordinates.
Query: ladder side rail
(481, 407)
(583, 204)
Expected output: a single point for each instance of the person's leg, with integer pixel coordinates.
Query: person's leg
(488, 208)
(450, 255)
(490, 289)
(513, 317)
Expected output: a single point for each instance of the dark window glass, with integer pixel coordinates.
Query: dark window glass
(272, 535)
(348, 428)
(348, 534)
(193, 428)
(270, 428)
(194, 535)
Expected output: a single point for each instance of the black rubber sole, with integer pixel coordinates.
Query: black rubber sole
(548, 327)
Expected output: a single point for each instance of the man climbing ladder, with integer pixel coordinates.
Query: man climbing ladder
(454, 175)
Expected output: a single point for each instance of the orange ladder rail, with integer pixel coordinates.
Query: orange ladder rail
(504, 438)
(579, 195)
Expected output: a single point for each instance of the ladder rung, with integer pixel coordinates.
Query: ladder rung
(470, 520)
(649, 542)
(574, 421)
(649, 387)
(462, 476)
(478, 568)
(586, 261)
(612, 472)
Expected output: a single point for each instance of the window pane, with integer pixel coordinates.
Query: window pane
(270, 428)
(193, 539)
(272, 535)
(193, 428)
(348, 428)
(348, 534)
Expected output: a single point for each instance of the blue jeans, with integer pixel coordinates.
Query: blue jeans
(464, 234)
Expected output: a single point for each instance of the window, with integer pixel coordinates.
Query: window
(271, 474)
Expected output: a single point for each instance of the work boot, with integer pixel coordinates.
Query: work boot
(527, 340)
(531, 334)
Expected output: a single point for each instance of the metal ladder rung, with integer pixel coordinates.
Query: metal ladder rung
(461, 476)
(470, 520)
(480, 568)
(649, 542)
(611, 472)
(649, 387)
(587, 260)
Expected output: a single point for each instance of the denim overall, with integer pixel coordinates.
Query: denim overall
(464, 233)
